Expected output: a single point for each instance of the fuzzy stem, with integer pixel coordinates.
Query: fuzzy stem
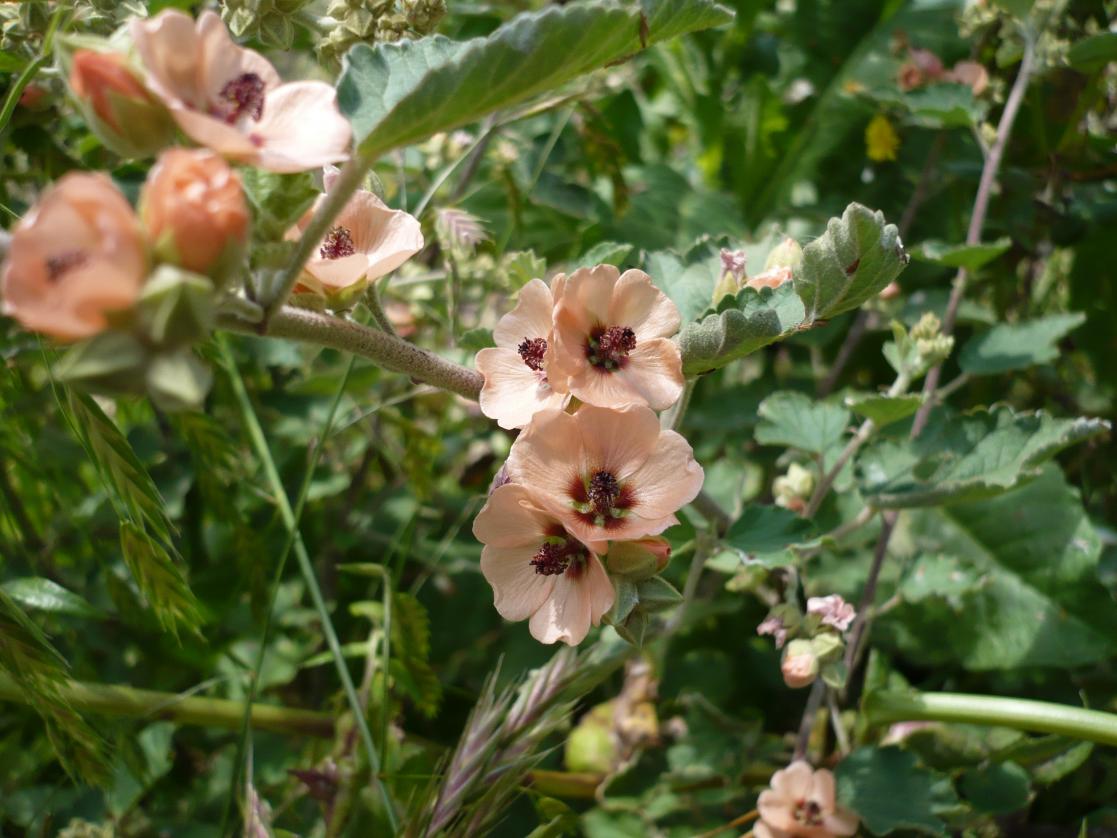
(390, 352)
(111, 700)
(709, 509)
(1015, 713)
(672, 417)
(376, 307)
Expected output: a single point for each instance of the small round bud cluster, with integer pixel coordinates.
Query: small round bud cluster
(372, 21)
(817, 639)
(933, 346)
(271, 22)
(793, 489)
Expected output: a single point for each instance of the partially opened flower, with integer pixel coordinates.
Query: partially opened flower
(971, 74)
(232, 100)
(608, 474)
(832, 611)
(368, 240)
(516, 383)
(611, 340)
(801, 802)
(539, 570)
(74, 258)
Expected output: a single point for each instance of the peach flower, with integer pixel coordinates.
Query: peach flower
(833, 611)
(539, 570)
(77, 255)
(611, 340)
(516, 384)
(971, 74)
(232, 100)
(607, 474)
(194, 209)
(801, 803)
(368, 241)
(771, 278)
(799, 666)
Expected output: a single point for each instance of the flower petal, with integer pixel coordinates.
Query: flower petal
(669, 478)
(215, 134)
(548, 457)
(654, 373)
(221, 60)
(620, 441)
(531, 318)
(510, 519)
(794, 782)
(302, 128)
(598, 588)
(168, 47)
(518, 591)
(565, 615)
(638, 304)
(512, 392)
(775, 809)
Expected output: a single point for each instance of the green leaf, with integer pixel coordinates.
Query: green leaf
(968, 256)
(41, 594)
(943, 106)
(996, 789)
(1047, 758)
(604, 253)
(945, 577)
(890, 791)
(160, 579)
(797, 421)
(475, 339)
(848, 264)
(765, 532)
(975, 455)
(1093, 52)
(688, 279)
(278, 200)
(410, 663)
(1036, 600)
(883, 410)
(740, 326)
(396, 94)
(1014, 346)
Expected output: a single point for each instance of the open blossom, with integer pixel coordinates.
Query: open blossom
(607, 474)
(516, 383)
(539, 570)
(612, 344)
(193, 208)
(232, 100)
(368, 240)
(832, 610)
(75, 257)
(801, 802)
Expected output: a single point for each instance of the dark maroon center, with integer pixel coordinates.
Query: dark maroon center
(599, 499)
(559, 554)
(338, 243)
(603, 492)
(608, 347)
(63, 263)
(242, 96)
(808, 812)
(532, 351)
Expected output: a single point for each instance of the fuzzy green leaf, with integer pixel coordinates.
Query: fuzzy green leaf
(848, 264)
(883, 410)
(996, 789)
(798, 421)
(890, 791)
(968, 256)
(739, 326)
(976, 455)
(688, 279)
(278, 200)
(1014, 346)
(160, 579)
(765, 532)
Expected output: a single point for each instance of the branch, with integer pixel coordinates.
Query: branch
(388, 351)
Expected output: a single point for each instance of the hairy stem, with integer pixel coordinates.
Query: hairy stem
(388, 351)
(111, 700)
(1015, 713)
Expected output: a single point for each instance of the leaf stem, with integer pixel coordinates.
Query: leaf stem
(711, 510)
(113, 700)
(1015, 713)
(388, 351)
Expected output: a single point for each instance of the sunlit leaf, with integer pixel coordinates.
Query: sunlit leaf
(1013, 346)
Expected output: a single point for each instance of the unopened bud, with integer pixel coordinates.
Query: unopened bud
(787, 254)
(732, 277)
(800, 664)
(927, 327)
(639, 559)
(194, 210)
(117, 106)
(175, 307)
(795, 487)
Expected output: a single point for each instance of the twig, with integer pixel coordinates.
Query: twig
(711, 510)
(806, 725)
(747, 817)
(672, 417)
(868, 594)
(836, 722)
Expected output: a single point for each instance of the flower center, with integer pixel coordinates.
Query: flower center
(64, 262)
(243, 95)
(808, 813)
(338, 243)
(607, 348)
(532, 351)
(558, 554)
(603, 492)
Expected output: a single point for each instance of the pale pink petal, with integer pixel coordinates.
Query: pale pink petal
(531, 318)
(518, 591)
(603, 388)
(763, 830)
(510, 519)
(513, 392)
(638, 304)
(301, 128)
(794, 782)
(775, 809)
(654, 372)
(598, 588)
(222, 61)
(548, 457)
(569, 342)
(215, 134)
(841, 822)
(338, 273)
(631, 527)
(588, 293)
(618, 440)
(387, 237)
(168, 47)
(669, 479)
(565, 615)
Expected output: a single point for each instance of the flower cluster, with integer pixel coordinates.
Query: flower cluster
(581, 366)
(924, 67)
(802, 803)
(817, 639)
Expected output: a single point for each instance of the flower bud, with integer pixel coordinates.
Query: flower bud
(194, 210)
(800, 665)
(176, 307)
(639, 559)
(117, 106)
(971, 74)
(787, 254)
(794, 488)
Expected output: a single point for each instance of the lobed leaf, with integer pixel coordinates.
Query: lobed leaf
(890, 791)
(1014, 346)
(883, 410)
(797, 421)
(765, 532)
(968, 256)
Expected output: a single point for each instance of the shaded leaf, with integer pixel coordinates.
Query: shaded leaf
(41, 594)
(975, 455)
(1093, 52)
(890, 791)
(278, 200)
(996, 789)
(968, 256)
(688, 279)
(765, 532)
(1013, 346)
(883, 410)
(796, 420)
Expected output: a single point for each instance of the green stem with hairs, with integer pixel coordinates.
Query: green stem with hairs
(1016, 713)
(111, 700)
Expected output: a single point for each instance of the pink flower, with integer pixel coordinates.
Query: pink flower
(833, 611)
(516, 383)
(231, 99)
(801, 802)
(75, 257)
(971, 74)
(771, 278)
(611, 340)
(607, 474)
(775, 627)
(733, 262)
(368, 241)
(539, 570)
